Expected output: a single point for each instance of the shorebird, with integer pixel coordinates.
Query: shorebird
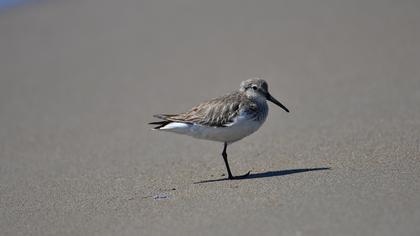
(225, 119)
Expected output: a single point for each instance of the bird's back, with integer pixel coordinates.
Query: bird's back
(217, 112)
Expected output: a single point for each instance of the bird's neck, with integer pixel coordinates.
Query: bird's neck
(259, 100)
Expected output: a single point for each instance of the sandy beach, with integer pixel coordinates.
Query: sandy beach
(80, 80)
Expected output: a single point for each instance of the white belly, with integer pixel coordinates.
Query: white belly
(239, 129)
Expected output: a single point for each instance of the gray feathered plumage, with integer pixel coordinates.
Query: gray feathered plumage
(217, 112)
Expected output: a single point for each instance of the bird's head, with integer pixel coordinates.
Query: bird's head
(257, 89)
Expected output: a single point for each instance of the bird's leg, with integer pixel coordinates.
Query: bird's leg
(224, 154)
(230, 176)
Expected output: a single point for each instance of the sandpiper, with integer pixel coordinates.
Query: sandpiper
(225, 119)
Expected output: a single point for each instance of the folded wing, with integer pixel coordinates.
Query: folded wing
(218, 112)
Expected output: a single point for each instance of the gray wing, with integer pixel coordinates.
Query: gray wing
(217, 112)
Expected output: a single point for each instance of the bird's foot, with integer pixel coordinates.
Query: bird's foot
(239, 176)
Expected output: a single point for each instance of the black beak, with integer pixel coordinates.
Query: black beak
(273, 100)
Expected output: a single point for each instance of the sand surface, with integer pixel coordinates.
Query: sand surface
(79, 80)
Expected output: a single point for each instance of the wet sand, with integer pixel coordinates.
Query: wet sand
(81, 79)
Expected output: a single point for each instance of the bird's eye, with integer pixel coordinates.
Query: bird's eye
(254, 87)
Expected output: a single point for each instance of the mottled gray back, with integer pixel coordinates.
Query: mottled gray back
(217, 112)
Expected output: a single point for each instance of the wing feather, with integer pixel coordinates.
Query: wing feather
(218, 112)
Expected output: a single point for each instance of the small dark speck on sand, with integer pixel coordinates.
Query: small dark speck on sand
(161, 196)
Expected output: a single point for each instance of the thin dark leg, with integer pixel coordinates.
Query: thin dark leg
(230, 176)
(224, 154)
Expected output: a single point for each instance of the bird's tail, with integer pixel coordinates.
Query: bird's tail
(164, 122)
(160, 124)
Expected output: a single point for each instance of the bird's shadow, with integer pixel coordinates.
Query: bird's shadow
(267, 174)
